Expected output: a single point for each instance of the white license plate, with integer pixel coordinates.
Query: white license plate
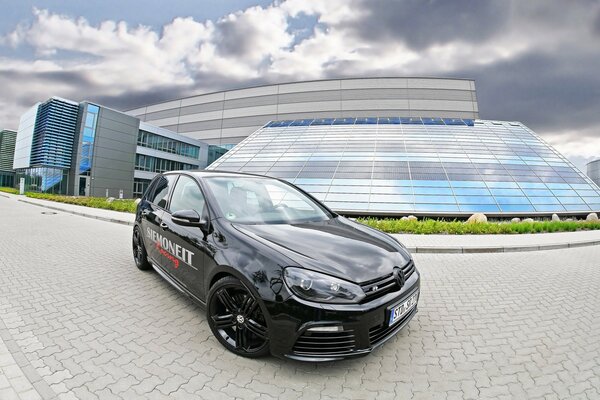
(404, 308)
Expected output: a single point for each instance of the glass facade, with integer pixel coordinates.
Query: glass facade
(417, 165)
(156, 142)
(217, 151)
(155, 164)
(7, 179)
(44, 179)
(87, 139)
(54, 134)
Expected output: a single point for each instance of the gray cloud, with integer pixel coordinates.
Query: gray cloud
(533, 61)
(596, 25)
(420, 24)
(546, 92)
(234, 38)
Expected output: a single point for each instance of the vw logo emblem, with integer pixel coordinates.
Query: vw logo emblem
(240, 319)
(400, 278)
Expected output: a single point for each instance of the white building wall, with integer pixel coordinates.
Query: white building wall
(228, 117)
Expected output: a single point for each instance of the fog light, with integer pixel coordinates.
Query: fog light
(326, 329)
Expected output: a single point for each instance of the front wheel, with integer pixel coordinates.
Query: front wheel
(139, 251)
(236, 318)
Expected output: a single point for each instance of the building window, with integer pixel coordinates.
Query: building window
(154, 164)
(161, 143)
(140, 186)
(87, 139)
(44, 179)
(215, 152)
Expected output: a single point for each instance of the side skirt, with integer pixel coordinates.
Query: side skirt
(177, 286)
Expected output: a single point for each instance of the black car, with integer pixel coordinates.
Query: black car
(276, 270)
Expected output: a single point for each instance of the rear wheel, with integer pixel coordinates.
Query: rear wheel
(236, 318)
(139, 251)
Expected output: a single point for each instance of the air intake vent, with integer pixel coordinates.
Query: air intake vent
(323, 344)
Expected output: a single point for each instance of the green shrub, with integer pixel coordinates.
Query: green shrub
(94, 202)
(433, 226)
(9, 190)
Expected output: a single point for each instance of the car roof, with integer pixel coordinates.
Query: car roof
(202, 173)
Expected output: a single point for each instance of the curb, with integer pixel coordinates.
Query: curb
(500, 249)
(39, 384)
(113, 220)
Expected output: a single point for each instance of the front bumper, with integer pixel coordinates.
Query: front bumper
(361, 327)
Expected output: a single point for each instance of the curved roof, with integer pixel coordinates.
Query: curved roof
(229, 116)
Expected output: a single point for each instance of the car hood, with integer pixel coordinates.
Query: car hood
(336, 247)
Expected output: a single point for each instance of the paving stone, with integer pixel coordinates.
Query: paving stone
(85, 320)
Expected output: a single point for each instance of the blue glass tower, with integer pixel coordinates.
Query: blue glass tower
(54, 134)
(48, 157)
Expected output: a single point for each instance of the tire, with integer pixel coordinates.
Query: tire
(236, 318)
(139, 250)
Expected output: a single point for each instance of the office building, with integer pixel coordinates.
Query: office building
(593, 171)
(7, 153)
(226, 118)
(89, 150)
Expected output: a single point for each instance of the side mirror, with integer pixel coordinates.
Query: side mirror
(189, 218)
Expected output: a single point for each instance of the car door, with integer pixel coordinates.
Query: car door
(187, 245)
(152, 214)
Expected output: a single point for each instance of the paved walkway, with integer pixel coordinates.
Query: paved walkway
(81, 322)
(14, 384)
(89, 212)
(498, 243)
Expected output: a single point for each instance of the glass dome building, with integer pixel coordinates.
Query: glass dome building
(422, 166)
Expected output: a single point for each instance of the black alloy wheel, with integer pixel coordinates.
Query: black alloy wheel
(236, 318)
(139, 251)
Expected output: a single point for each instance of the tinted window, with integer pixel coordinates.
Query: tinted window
(161, 190)
(187, 196)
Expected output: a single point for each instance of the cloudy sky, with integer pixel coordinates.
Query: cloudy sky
(535, 61)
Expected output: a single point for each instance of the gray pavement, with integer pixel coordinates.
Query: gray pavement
(80, 321)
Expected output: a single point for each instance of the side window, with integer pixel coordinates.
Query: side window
(149, 192)
(161, 190)
(187, 196)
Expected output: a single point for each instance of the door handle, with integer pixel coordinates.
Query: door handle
(164, 225)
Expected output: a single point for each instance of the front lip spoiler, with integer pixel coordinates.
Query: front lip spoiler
(360, 352)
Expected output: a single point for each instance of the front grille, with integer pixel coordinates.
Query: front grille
(379, 287)
(385, 284)
(381, 332)
(316, 344)
(408, 269)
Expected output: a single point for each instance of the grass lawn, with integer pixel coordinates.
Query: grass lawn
(9, 190)
(431, 226)
(125, 205)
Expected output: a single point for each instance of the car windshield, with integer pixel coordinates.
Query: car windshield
(256, 200)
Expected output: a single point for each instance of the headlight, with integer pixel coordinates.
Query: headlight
(322, 288)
